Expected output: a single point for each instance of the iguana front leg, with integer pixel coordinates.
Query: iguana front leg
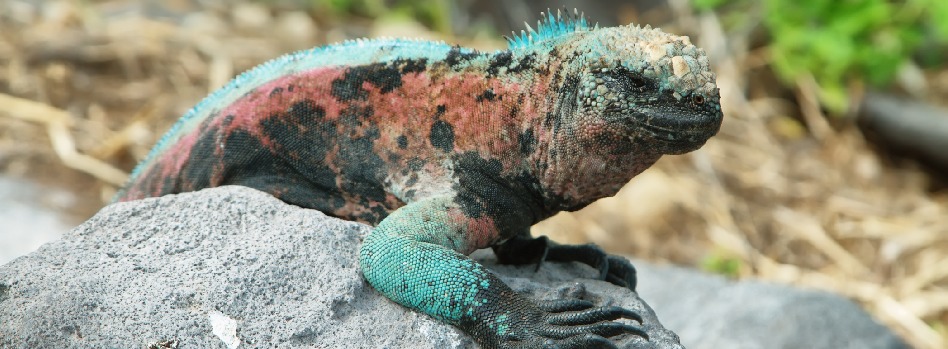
(416, 257)
(524, 249)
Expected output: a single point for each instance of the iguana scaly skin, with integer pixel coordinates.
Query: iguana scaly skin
(448, 150)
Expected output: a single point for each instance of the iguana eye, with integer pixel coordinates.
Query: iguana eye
(636, 81)
(632, 81)
(698, 99)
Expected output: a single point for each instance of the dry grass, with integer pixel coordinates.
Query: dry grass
(86, 90)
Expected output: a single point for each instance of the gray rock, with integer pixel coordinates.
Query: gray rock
(233, 267)
(709, 311)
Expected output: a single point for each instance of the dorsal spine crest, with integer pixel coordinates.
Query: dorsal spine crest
(549, 28)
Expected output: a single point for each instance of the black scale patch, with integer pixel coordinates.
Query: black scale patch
(442, 136)
(487, 95)
(455, 56)
(307, 137)
(348, 88)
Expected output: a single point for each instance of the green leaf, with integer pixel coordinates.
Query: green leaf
(720, 263)
(938, 17)
(833, 96)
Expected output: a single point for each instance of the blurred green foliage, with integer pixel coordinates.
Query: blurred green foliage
(433, 13)
(721, 263)
(838, 41)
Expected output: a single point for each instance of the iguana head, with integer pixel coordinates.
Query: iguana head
(625, 96)
(657, 87)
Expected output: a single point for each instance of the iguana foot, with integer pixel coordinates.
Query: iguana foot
(562, 324)
(522, 249)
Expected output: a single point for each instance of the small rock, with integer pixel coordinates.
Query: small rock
(203, 24)
(251, 16)
(297, 29)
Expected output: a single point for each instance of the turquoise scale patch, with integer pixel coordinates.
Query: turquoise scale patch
(549, 29)
(430, 278)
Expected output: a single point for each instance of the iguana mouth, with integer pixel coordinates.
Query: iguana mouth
(676, 130)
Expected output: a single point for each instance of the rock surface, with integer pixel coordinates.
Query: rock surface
(709, 311)
(233, 267)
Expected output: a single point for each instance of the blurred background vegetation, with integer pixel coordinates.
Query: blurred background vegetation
(844, 42)
(829, 171)
(839, 43)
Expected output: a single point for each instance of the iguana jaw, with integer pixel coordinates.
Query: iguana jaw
(674, 134)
